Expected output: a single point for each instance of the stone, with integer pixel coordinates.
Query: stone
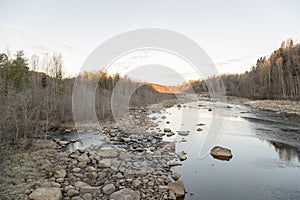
(173, 164)
(169, 134)
(175, 176)
(108, 153)
(109, 188)
(87, 196)
(61, 173)
(80, 184)
(183, 133)
(167, 130)
(199, 129)
(177, 188)
(90, 189)
(83, 158)
(105, 163)
(76, 169)
(125, 194)
(46, 193)
(182, 156)
(221, 153)
(71, 192)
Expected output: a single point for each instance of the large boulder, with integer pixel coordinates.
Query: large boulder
(125, 194)
(221, 153)
(49, 193)
(178, 188)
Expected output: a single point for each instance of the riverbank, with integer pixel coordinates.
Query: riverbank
(281, 106)
(134, 164)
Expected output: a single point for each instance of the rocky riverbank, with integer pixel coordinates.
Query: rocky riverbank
(281, 106)
(127, 165)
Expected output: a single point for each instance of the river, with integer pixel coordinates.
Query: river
(265, 147)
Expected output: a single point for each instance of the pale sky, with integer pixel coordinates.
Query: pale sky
(233, 33)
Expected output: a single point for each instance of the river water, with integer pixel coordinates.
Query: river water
(265, 147)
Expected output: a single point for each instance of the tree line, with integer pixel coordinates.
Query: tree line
(273, 77)
(32, 101)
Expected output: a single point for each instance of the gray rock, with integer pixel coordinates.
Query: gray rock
(90, 189)
(87, 196)
(109, 188)
(105, 163)
(125, 194)
(83, 158)
(46, 193)
(61, 173)
(183, 133)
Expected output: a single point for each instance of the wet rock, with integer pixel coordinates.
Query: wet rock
(169, 134)
(182, 156)
(125, 193)
(167, 130)
(109, 188)
(177, 188)
(173, 164)
(183, 133)
(175, 176)
(46, 193)
(221, 153)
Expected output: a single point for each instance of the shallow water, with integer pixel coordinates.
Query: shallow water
(265, 147)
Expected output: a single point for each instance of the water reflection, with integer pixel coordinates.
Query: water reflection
(285, 152)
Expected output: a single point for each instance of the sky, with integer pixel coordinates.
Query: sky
(233, 33)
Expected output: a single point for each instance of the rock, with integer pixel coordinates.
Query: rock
(83, 158)
(163, 188)
(167, 122)
(136, 183)
(169, 134)
(46, 193)
(90, 189)
(61, 173)
(80, 184)
(182, 156)
(125, 194)
(177, 188)
(63, 142)
(76, 169)
(87, 196)
(71, 192)
(108, 153)
(68, 130)
(109, 188)
(175, 176)
(183, 133)
(173, 164)
(167, 130)
(172, 195)
(105, 163)
(200, 124)
(209, 109)
(199, 129)
(178, 106)
(221, 153)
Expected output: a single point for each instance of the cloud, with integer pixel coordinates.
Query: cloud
(10, 27)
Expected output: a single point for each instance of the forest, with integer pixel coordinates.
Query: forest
(32, 101)
(274, 77)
